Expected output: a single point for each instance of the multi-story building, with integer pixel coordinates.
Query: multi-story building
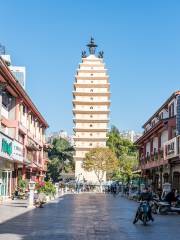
(130, 135)
(60, 134)
(91, 108)
(22, 134)
(159, 146)
(19, 72)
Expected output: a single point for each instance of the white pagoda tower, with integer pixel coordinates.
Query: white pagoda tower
(91, 101)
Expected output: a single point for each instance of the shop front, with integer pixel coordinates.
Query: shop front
(6, 166)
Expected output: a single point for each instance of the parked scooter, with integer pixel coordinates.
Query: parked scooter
(165, 208)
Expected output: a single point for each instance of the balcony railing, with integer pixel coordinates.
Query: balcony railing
(170, 150)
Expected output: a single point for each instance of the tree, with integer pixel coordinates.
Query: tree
(126, 153)
(100, 161)
(61, 159)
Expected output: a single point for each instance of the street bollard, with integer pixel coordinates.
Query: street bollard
(62, 191)
(31, 194)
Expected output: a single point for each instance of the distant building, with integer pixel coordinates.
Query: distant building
(60, 134)
(130, 135)
(18, 72)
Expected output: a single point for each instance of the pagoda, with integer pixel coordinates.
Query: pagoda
(91, 102)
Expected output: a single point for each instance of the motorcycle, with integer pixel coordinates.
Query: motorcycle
(165, 208)
(143, 213)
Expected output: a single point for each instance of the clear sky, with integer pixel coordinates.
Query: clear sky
(141, 41)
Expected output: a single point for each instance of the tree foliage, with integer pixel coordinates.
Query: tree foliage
(126, 153)
(61, 159)
(100, 160)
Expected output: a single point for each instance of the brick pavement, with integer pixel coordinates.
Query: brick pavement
(88, 216)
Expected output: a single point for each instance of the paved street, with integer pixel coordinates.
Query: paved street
(87, 216)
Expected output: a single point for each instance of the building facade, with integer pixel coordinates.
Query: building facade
(22, 135)
(159, 146)
(91, 102)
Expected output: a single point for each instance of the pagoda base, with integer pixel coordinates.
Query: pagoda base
(86, 177)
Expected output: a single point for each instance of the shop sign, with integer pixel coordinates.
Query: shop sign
(6, 147)
(17, 151)
(170, 148)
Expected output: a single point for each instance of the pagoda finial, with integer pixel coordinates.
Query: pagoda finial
(92, 46)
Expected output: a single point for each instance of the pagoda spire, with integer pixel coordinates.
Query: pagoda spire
(92, 46)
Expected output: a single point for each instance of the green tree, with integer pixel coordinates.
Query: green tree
(61, 159)
(100, 161)
(126, 152)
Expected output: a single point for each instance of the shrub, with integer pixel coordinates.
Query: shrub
(46, 187)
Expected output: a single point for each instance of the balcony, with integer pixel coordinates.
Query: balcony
(170, 151)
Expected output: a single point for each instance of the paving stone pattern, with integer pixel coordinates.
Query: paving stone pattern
(87, 216)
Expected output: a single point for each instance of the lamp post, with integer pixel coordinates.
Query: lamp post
(31, 194)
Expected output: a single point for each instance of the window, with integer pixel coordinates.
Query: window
(21, 138)
(91, 116)
(91, 107)
(91, 74)
(161, 116)
(173, 132)
(91, 81)
(24, 110)
(91, 98)
(153, 123)
(91, 90)
(90, 125)
(6, 99)
(171, 110)
(91, 134)
(90, 144)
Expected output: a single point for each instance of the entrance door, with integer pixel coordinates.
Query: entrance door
(6, 183)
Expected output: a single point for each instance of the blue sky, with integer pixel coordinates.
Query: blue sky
(141, 41)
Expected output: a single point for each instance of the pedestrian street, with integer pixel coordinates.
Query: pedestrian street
(86, 216)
